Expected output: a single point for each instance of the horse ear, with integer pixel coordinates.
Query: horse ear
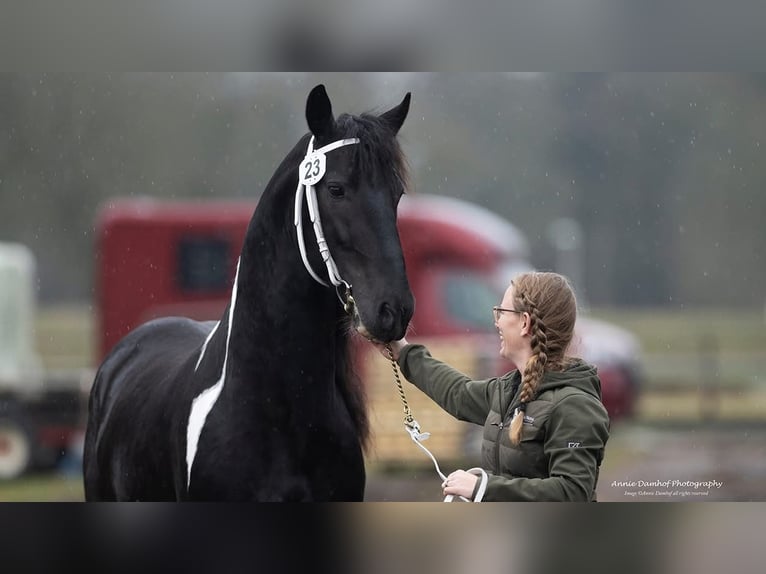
(319, 112)
(395, 116)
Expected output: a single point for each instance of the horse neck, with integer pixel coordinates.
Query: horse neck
(280, 310)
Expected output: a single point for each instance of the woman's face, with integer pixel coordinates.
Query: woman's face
(512, 325)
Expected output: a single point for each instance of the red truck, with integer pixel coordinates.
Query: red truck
(158, 258)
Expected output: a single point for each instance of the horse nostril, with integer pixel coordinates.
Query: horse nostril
(392, 319)
(387, 317)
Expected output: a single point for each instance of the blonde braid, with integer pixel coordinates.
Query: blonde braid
(534, 369)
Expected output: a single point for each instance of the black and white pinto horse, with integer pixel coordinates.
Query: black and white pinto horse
(263, 405)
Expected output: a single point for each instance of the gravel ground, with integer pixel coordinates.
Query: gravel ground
(732, 456)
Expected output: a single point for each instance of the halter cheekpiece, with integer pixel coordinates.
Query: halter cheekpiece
(311, 171)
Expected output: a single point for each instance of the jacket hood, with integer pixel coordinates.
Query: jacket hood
(579, 374)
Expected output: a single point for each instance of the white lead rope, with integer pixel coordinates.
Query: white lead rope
(417, 436)
(311, 170)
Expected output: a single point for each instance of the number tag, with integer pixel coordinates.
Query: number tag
(312, 168)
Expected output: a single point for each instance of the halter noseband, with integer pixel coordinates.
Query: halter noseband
(314, 164)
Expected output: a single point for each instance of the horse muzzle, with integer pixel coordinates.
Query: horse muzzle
(390, 323)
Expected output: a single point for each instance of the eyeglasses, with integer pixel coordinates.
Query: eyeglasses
(497, 311)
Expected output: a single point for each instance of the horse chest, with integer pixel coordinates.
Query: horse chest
(318, 465)
(265, 452)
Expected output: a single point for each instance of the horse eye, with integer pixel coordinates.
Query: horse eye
(335, 189)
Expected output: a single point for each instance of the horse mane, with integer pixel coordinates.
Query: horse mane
(378, 148)
(350, 384)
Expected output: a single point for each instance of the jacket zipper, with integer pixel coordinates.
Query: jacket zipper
(501, 425)
(497, 445)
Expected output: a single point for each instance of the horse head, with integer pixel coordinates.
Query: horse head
(357, 196)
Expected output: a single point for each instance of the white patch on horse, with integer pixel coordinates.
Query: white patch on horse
(204, 346)
(203, 403)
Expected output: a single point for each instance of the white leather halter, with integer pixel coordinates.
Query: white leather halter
(314, 164)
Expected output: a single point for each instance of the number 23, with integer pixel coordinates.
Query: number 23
(309, 171)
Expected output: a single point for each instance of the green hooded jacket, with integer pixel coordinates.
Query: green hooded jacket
(563, 437)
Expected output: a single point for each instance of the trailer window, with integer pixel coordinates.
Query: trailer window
(203, 264)
(469, 299)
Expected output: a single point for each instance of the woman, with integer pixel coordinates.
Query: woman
(545, 427)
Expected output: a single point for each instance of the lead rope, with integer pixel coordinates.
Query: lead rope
(413, 429)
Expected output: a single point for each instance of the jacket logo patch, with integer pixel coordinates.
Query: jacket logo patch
(573, 445)
(528, 420)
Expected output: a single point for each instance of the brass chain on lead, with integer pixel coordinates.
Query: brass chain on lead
(413, 428)
(409, 421)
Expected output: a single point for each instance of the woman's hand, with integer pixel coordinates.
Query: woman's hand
(460, 483)
(396, 347)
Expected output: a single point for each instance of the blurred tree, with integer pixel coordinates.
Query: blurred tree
(615, 148)
(663, 171)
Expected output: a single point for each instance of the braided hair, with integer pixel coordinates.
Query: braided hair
(549, 300)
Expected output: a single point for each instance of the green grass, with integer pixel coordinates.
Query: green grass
(686, 330)
(65, 336)
(678, 359)
(42, 488)
(681, 347)
(700, 348)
